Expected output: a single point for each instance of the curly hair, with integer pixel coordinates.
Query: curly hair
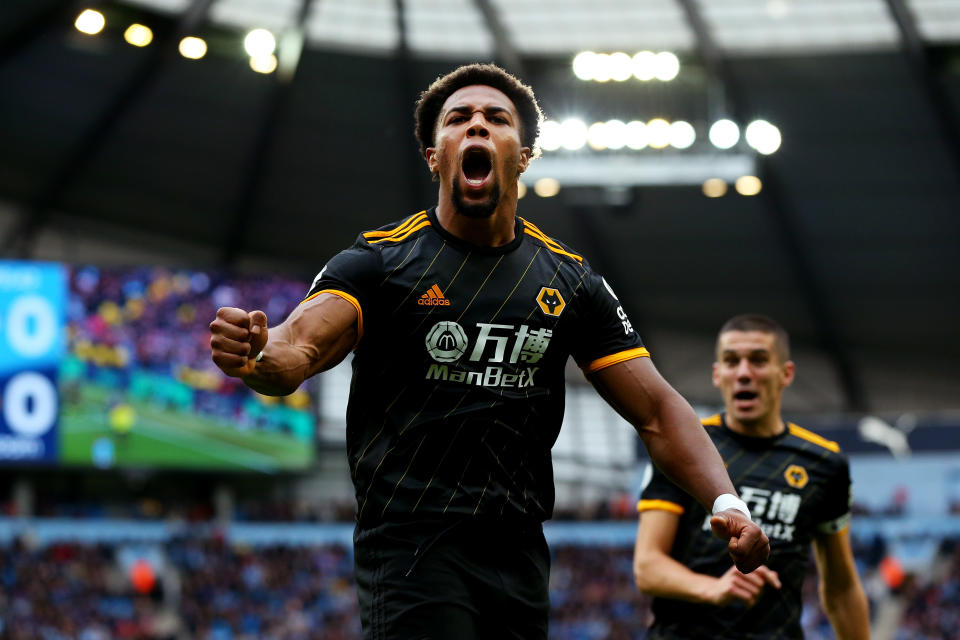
(427, 111)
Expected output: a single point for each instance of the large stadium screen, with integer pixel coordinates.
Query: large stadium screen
(110, 367)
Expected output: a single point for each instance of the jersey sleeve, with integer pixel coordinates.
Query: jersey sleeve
(838, 500)
(352, 274)
(606, 336)
(660, 493)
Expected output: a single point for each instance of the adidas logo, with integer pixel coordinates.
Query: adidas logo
(433, 298)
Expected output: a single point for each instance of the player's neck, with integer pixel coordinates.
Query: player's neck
(495, 230)
(767, 427)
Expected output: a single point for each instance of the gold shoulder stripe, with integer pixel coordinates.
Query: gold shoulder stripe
(810, 436)
(551, 246)
(537, 230)
(405, 234)
(616, 358)
(659, 505)
(403, 226)
(532, 229)
(349, 298)
(713, 421)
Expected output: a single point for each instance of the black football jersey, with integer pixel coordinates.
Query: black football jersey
(797, 486)
(457, 393)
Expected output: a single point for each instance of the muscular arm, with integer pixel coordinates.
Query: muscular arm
(316, 336)
(841, 593)
(658, 574)
(679, 446)
(671, 431)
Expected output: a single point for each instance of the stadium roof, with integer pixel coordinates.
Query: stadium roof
(131, 154)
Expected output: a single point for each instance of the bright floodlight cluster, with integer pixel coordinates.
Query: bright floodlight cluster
(260, 44)
(744, 185)
(90, 22)
(619, 66)
(573, 134)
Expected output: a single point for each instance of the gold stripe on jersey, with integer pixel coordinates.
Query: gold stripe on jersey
(659, 505)
(553, 245)
(400, 228)
(810, 436)
(616, 358)
(516, 286)
(713, 421)
(373, 475)
(482, 285)
(539, 233)
(416, 286)
(405, 234)
(349, 298)
(413, 248)
(405, 472)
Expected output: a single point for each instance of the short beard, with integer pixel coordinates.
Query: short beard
(479, 210)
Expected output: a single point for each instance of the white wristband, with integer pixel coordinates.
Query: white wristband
(729, 501)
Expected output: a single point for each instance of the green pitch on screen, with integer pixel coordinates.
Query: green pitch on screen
(97, 430)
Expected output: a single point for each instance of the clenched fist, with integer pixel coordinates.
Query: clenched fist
(236, 337)
(749, 546)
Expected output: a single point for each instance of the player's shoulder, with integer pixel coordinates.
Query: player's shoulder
(557, 248)
(807, 440)
(714, 427)
(397, 232)
(712, 422)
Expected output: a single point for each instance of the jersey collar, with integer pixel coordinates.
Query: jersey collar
(472, 248)
(754, 442)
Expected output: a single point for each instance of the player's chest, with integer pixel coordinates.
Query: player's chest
(784, 494)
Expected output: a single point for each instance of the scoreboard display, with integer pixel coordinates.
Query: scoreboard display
(32, 323)
(110, 368)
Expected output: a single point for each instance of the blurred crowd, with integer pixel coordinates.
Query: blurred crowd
(203, 588)
(159, 318)
(932, 602)
(143, 332)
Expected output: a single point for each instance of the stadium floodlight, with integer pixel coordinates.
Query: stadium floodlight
(645, 65)
(259, 43)
(585, 65)
(193, 48)
(551, 135)
(748, 185)
(658, 133)
(597, 136)
(603, 70)
(763, 136)
(635, 134)
(714, 187)
(621, 66)
(724, 133)
(615, 133)
(668, 66)
(90, 22)
(682, 134)
(521, 189)
(574, 134)
(264, 64)
(546, 187)
(138, 35)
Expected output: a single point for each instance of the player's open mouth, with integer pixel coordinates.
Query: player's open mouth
(476, 166)
(745, 400)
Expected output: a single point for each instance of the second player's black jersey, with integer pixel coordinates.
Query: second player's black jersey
(797, 486)
(458, 376)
